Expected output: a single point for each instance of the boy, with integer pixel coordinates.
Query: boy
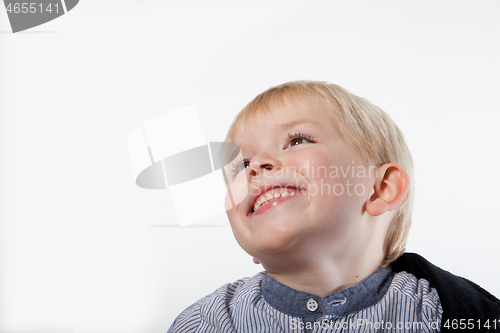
(328, 210)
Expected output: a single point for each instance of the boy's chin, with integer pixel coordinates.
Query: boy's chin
(274, 246)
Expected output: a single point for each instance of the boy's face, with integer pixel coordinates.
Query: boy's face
(303, 152)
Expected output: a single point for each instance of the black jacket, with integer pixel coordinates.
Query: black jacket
(460, 298)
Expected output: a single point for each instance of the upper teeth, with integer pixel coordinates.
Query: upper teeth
(271, 195)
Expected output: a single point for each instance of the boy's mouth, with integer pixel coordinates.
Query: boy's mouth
(268, 193)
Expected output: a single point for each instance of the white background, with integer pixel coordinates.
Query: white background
(82, 248)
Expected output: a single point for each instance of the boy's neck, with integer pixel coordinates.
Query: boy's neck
(325, 277)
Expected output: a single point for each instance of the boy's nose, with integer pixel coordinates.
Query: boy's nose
(256, 171)
(260, 163)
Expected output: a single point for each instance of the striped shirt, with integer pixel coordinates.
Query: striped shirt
(383, 302)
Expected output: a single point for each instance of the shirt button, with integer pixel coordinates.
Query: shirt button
(312, 304)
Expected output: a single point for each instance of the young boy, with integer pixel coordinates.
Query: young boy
(330, 191)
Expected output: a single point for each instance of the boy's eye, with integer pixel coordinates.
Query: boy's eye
(238, 165)
(243, 165)
(297, 139)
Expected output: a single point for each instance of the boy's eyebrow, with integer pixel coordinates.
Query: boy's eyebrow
(283, 127)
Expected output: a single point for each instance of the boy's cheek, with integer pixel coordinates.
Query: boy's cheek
(230, 216)
(237, 192)
(315, 163)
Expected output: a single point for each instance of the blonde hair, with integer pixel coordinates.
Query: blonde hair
(363, 125)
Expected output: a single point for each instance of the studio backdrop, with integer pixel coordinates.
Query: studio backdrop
(87, 100)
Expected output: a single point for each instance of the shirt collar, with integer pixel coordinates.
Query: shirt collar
(353, 299)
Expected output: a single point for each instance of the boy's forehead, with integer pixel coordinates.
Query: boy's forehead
(277, 120)
(278, 126)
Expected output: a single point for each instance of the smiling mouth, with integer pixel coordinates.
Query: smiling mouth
(273, 195)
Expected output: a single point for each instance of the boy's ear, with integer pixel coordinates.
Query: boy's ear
(389, 190)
